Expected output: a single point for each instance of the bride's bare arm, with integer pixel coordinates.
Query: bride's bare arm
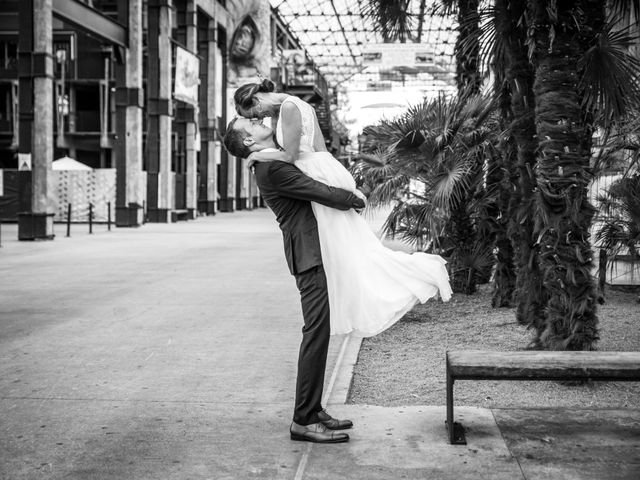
(270, 156)
(291, 129)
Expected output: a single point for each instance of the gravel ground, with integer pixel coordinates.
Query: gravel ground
(405, 365)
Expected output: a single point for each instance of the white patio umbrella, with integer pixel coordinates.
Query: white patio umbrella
(68, 163)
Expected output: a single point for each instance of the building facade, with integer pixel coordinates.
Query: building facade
(141, 87)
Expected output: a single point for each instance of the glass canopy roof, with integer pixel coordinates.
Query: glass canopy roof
(340, 39)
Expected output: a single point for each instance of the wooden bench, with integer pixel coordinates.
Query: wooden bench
(534, 365)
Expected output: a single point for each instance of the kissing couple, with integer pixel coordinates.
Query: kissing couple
(348, 281)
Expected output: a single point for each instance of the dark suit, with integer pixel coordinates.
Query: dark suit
(287, 191)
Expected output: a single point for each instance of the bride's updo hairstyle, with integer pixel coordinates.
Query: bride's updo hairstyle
(244, 97)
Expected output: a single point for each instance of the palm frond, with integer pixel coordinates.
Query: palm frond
(389, 189)
(624, 10)
(449, 185)
(391, 18)
(611, 75)
(371, 159)
(620, 227)
(419, 224)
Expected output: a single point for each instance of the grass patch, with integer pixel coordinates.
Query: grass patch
(405, 365)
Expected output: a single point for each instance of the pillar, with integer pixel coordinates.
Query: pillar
(160, 187)
(214, 86)
(36, 95)
(229, 170)
(225, 195)
(192, 143)
(129, 104)
(243, 189)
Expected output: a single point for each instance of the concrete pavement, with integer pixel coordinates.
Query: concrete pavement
(169, 352)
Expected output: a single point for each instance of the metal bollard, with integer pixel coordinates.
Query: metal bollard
(0, 233)
(90, 218)
(69, 220)
(109, 216)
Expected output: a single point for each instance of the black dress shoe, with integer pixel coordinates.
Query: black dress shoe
(333, 423)
(316, 433)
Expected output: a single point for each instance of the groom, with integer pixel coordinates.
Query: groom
(288, 192)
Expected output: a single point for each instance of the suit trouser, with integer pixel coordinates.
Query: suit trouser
(312, 359)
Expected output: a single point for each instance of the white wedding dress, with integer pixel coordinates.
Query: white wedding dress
(370, 286)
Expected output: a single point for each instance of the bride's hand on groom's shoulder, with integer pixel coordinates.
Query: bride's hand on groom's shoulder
(254, 158)
(360, 194)
(363, 197)
(259, 157)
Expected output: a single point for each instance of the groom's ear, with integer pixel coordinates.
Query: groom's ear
(248, 141)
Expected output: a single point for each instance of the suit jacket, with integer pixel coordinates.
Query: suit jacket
(287, 192)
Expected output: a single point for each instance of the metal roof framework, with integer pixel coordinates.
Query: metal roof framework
(336, 32)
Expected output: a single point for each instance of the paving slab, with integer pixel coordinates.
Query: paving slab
(580, 444)
(411, 443)
(89, 439)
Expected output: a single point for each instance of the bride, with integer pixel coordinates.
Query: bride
(370, 286)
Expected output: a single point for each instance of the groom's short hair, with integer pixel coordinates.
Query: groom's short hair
(234, 140)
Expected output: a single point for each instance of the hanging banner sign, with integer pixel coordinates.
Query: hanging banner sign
(399, 55)
(187, 77)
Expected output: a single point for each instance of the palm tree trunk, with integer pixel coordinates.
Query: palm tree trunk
(505, 275)
(563, 211)
(505, 272)
(467, 59)
(461, 227)
(530, 295)
(462, 233)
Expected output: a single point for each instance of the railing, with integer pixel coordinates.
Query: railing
(303, 74)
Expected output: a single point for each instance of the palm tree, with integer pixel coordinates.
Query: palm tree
(620, 229)
(429, 167)
(503, 51)
(619, 152)
(461, 226)
(563, 211)
(499, 25)
(392, 20)
(571, 99)
(467, 49)
(519, 75)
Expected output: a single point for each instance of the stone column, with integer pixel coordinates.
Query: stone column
(214, 85)
(244, 189)
(160, 187)
(229, 167)
(254, 194)
(215, 152)
(36, 135)
(192, 147)
(129, 103)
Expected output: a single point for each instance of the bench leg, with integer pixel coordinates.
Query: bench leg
(456, 430)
